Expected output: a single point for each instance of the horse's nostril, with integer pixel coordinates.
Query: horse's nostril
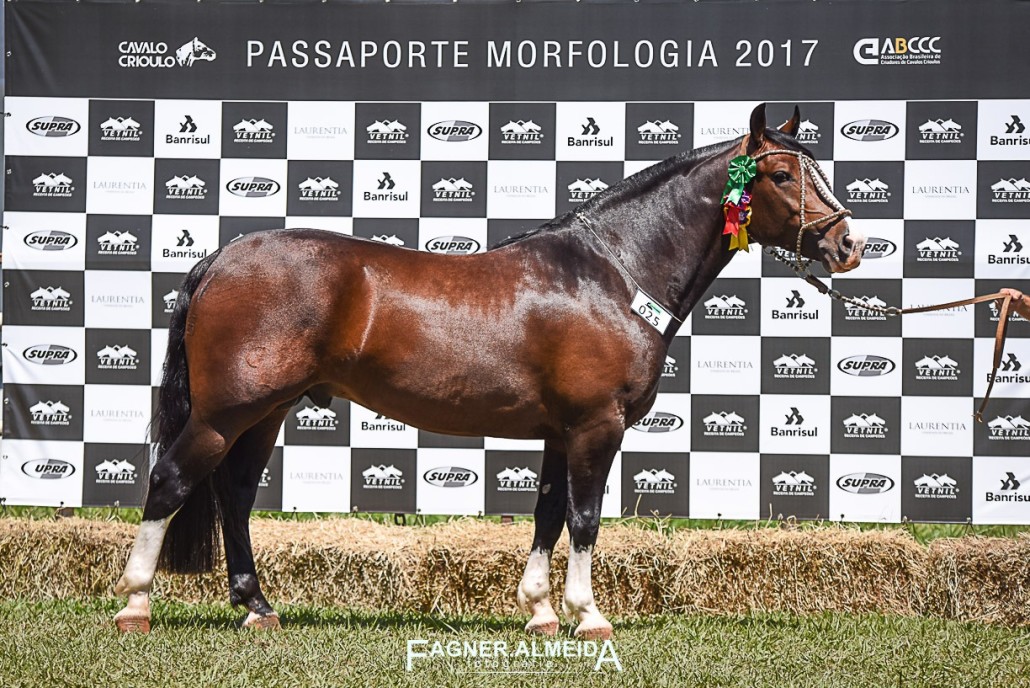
(846, 242)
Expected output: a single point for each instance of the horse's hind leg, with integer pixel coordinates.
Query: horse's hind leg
(242, 469)
(549, 515)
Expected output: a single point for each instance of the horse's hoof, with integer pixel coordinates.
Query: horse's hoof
(548, 627)
(594, 630)
(132, 624)
(268, 622)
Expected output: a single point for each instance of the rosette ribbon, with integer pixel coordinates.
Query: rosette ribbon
(736, 201)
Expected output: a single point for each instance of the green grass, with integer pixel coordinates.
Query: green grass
(75, 644)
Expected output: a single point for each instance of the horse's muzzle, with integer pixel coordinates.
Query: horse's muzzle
(841, 249)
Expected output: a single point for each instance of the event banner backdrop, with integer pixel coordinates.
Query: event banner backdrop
(141, 136)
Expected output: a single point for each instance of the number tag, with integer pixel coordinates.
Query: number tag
(648, 309)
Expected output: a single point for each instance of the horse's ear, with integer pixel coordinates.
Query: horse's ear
(790, 127)
(757, 137)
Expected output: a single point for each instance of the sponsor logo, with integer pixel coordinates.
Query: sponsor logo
(117, 358)
(121, 129)
(454, 130)
(865, 426)
(937, 427)
(316, 418)
(386, 132)
(721, 366)
(658, 421)
(793, 309)
(320, 189)
(50, 413)
(658, 132)
(386, 185)
(50, 240)
(383, 478)
(725, 308)
(868, 191)
(669, 368)
(252, 187)
(935, 486)
(937, 191)
(155, 54)
(869, 130)
(793, 426)
(184, 241)
(452, 245)
(794, 367)
(876, 247)
(115, 472)
(393, 240)
(1008, 428)
(938, 250)
(51, 300)
(320, 132)
(520, 190)
(1009, 371)
(450, 476)
(1013, 247)
(1011, 191)
(937, 368)
(808, 133)
(253, 131)
(189, 128)
(854, 311)
(654, 481)
(52, 185)
(865, 483)
(898, 50)
(266, 478)
(793, 484)
(169, 299)
(866, 365)
(516, 480)
(585, 189)
(53, 126)
(522, 132)
(186, 188)
(590, 136)
(1014, 129)
(1008, 491)
(940, 131)
(722, 133)
(383, 424)
(723, 484)
(117, 244)
(453, 190)
(724, 424)
(48, 469)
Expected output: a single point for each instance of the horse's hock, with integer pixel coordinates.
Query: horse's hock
(471, 567)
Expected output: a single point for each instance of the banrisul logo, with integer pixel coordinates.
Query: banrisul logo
(386, 190)
(383, 424)
(866, 365)
(1008, 428)
(122, 243)
(319, 189)
(937, 368)
(875, 247)
(1008, 490)
(1013, 136)
(253, 131)
(868, 191)
(158, 54)
(659, 421)
(724, 424)
(454, 130)
(654, 481)
(585, 189)
(383, 477)
(49, 354)
(50, 240)
(115, 472)
(808, 133)
(522, 132)
(52, 126)
(590, 136)
(450, 476)
(186, 188)
(452, 245)
(1011, 252)
(794, 367)
(51, 300)
(793, 425)
(124, 129)
(865, 483)
(50, 413)
(451, 190)
(1011, 190)
(117, 358)
(1011, 371)
(725, 307)
(317, 418)
(518, 479)
(940, 131)
(866, 426)
(53, 185)
(854, 311)
(936, 486)
(658, 132)
(793, 484)
(869, 130)
(188, 133)
(48, 469)
(387, 131)
(794, 309)
(252, 187)
(938, 250)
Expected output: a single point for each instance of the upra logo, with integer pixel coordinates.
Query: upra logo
(454, 130)
(48, 469)
(875, 247)
(450, 476)
(898, 50)
(49, 354)
(870, 130)
(50, 240)
(658, 421)
(252, 187)
(52, 126)
(866, 365)
(452, 245)
(155, 54)
(865, 483)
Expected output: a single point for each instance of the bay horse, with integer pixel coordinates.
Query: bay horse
(533, 339)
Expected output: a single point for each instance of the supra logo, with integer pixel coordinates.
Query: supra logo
(940, 131)
(450, 476)
(854, 311)
(452, 245)
(50, 240)
(516, 480)
(870, 130)
(794, 367)
(383, 424)
(938, 250)
(1009, 371)
(865, 483)
(865, 426)
(1011, 190)
(725, 308)
(52, 185)
(51, 300)
(898, 50)
(942, 368)
(383, 477)
(169, 300)
(866, 365)
(590, 135)
(659, 421)
(115, 472)
(585, 189)
(936, 486)
(454, 130)
(117, 358)
(186, 188)
(453, 190)
(48, 469)
(868, 191)
(52, 126)
(316, 418)
(319, 189)
(253, 131)
(723, 424)
(1014, 127)
(654, 481)
(793, 484)
(669, 368)
(1008, 428)
(876, 247)
(155, 54)
(50, 413)
(124, 129)
(522, 132)
(252, 187)
(808, 133)
(387, 132)
(658, 132)
(122, 243)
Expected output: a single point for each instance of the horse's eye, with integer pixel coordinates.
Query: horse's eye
(780, 177)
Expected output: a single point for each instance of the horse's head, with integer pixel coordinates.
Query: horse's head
(790, 196)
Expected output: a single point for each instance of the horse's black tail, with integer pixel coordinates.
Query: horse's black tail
(191, 543)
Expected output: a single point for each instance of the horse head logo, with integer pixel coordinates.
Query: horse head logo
(193, 51)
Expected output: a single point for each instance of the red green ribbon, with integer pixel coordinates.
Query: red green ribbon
(736, 201)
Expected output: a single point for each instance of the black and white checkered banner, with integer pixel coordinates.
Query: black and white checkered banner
(142, 136)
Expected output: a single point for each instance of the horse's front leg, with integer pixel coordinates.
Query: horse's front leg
(591, 449)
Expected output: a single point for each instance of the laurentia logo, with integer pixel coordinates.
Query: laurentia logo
(52, 185)
(317, 418)
(585, 189)
(1014, 129)
(725, 308)
(383, 424)
(658, 421)
(1008, 428)
(387, 131)
(1008, 491)
(185, 188)
(49, 354)
(50, 413)
(252, 187)
(793, 426)
(1009, 371)
(808, 133)
(869, 130)
(865, 426)
(516, 480)
(853, 311)
(50, 240)
(115, 472)
(794, 309)
(938, 250)
(51, 300)
(876, 247)
(940, 131)
(452, 245)
(866, 365)
(865, 483)
(48, 469)
(590, 136)
(654, 481)
(450, 476)
(794, 367)
(793, 484)
(454, 130)
(453, 190)
(117, 358)
(658, 132)
(383, 477)
(936, 486)
(155, 54)
(319, 189)
(53, 126)
(724, 424)
(525, 132)
(1011, 190)
(937, 368)
(868, 191)
(122, 243)
(253, 131)
(124, 129)
(938, 191)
